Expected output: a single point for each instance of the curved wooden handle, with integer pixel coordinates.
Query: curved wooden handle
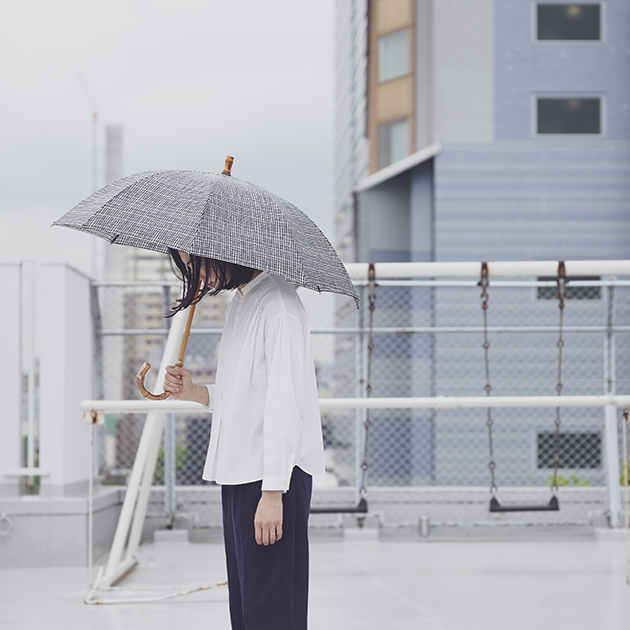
(143, 390)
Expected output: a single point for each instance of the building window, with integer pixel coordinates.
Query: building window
(575, 450)
(573, 293)
(569, 115)
(393, 55)
(568, 21)
(393, 141)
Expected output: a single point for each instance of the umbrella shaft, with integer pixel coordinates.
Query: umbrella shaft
(191, 314)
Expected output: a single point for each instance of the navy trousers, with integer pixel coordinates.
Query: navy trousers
(268, 586)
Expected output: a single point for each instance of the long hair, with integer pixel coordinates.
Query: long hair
(227, 276)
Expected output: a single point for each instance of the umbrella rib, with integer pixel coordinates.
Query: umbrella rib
(142, 180)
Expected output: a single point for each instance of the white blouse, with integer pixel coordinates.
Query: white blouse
(265, 404)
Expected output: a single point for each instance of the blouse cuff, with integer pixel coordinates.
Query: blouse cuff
(275, 484)
(210, 389)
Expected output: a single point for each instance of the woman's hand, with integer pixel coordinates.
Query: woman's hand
(268, 518)
(177, 381)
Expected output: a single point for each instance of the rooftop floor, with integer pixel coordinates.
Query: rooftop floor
(360, 585)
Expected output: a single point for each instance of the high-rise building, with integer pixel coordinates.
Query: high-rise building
(478, 130)
(470, 129)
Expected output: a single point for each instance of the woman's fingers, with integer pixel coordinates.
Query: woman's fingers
(173, 379)
(172, 384)
(177, 381)
(175, 370)
(268, 535)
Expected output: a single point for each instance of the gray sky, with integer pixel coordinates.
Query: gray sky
(190, 80)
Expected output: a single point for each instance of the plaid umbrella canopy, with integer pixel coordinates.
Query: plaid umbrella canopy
(216, 216)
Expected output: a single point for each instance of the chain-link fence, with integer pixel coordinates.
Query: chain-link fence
(428, 338)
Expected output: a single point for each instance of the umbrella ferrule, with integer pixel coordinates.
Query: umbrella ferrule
(227, 170)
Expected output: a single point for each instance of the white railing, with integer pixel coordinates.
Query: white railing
(499, 269)
(328, 404)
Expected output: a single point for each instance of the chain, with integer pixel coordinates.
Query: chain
(368, 385)
(484, 283)
(562, 288)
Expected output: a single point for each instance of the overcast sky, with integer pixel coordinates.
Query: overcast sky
(191, 81)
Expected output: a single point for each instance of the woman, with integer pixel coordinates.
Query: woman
(266, 439)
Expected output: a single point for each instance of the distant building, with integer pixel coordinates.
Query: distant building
(476, 130)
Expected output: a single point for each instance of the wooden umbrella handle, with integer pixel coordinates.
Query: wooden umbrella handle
(143, 390)
(180, 362)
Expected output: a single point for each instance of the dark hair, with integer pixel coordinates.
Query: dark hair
(228, 276)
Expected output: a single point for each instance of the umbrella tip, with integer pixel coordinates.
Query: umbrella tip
(229, 160)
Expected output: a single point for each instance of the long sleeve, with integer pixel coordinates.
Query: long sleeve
(286, 356)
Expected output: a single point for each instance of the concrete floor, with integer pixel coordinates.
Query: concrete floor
(360, 585)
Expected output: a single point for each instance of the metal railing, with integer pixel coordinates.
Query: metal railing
(428, 362)
(426, 379)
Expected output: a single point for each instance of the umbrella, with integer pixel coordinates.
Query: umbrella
(215, 216)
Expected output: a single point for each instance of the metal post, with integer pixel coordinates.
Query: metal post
(169, 466)
(30, 458)
(169, 432)
(97, 328)
(611, 437)
(29, 360)
(359, 414)
(611, 459)
(433, 384)
(98, 385)
(91, 504)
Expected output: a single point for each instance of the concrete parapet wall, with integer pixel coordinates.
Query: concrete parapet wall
(53, 531)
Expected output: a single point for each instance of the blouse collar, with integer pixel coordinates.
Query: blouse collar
(253, 283)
